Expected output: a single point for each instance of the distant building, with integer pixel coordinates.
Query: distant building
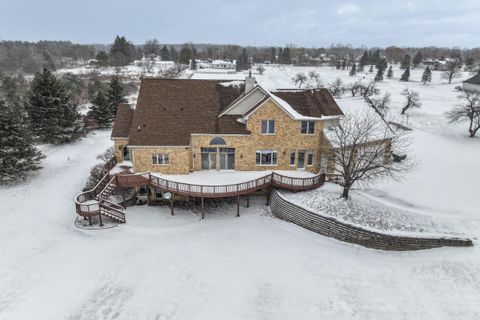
(472, 84)
(217, 64)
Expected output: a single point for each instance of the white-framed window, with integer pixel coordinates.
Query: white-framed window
(268, 127)
(309, 158)
(308, 127)
(292, 157)
(266, 158)
(160, 158)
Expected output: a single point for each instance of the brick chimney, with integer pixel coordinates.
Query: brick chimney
(249, 82)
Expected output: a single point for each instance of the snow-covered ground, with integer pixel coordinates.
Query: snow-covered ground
(159, 266)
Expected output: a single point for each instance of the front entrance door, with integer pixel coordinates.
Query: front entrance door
(209, 158)
(227, 158)
(301, 159)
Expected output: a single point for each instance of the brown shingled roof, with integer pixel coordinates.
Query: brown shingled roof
(169, 110)
(123, 120)
(311, 103)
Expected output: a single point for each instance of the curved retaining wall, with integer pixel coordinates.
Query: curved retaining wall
(333, 228)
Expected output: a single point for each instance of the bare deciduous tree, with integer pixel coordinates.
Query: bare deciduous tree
(452, 71)
(413, 99)
(355, 88)
(380, 104)
(314, 75)
(300, 78)
(361, 146)
(336, 88)
(467, 110)
(369, 89)
(261, 69)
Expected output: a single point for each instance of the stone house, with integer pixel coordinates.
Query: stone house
(183, 125)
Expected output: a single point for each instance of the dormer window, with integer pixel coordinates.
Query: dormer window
(308, 127)
(268, 127)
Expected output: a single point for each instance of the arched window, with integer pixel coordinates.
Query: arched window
(217, 141)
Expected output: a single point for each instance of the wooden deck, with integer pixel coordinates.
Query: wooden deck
(101, 192)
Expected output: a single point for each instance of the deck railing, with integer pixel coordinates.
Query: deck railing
(104, 207)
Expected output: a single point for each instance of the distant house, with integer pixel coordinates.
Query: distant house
(472, 84)
(217, 64)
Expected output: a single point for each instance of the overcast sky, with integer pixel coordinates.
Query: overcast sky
(312, 23)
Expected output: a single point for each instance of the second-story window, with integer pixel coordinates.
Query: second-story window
(308, 127)
(268, 127)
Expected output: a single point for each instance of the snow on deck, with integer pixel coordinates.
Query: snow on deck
(213, 177)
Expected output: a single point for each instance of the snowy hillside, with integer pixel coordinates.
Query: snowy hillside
(254, 267)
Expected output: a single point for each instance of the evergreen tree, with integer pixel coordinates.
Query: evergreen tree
(53, 116)
(417, 59)
(344, 65)
(338, 65)
(49, 64)
(406, 74)
(364, 59)
(353, 70)
(102, 59)
(101, 110)
(390, 73)
(187, 53)
(427, 75)
(115, 95)
(273, 57)
(287, 56)
(18, 156)
(193, 64)
(371, 68)
(122, 52)
(379, 75)
(242, 61)
(406, 62)
(280, 56)
(165, 54)
(173, 54)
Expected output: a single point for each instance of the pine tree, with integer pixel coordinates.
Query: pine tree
(371, 68)
(193, 64)
(353, 70)
(18, 157)
(287, 56)
(49, 64)
(417, 59)
(379, 75)
(427, 75)
(390, 73)
(173, 54)
(165, 54)
(406, 62)
(364, 59)
(121, 52)
(101, 110)
(273, 57)
(406, 74)
(115, 95)
(53, 116)
(102, 59)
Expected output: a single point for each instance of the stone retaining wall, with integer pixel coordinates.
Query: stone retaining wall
(333, 228)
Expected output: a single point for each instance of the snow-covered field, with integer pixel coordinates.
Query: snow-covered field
(254, 267)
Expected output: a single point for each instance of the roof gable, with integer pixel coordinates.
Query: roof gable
(474, 80)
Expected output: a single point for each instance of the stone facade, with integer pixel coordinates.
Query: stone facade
(179, 159)
(119, 144)
(286, 138)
